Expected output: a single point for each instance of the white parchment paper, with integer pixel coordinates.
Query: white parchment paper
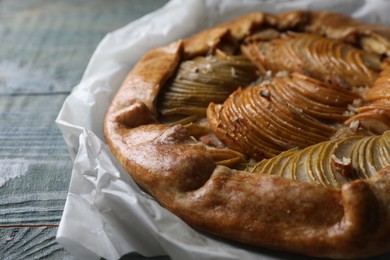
(106, 214)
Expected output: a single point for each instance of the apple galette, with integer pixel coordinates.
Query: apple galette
(271, 130)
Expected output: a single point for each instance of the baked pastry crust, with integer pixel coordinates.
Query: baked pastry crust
(261, 210)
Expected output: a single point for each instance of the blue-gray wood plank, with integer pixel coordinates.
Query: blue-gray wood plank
(44, 49)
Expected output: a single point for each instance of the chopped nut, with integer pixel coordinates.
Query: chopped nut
(268, 74)
(343, 167)
(195, 69)
(233, 72)
(265, 93)
(354, 125)
(342, 132)
(357, 102)
(295, 110)
(211, 58)
(352, 108)
(339, 82)
(348, 113)
(208, 67)
(361, 91)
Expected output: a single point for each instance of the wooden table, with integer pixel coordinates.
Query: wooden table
(45, 47)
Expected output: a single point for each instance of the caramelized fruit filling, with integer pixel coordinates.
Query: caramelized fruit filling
(297, 105)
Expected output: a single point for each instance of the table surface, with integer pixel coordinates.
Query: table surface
(45, 48)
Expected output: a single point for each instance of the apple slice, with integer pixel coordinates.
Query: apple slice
(320, 57)
(333, 163)
(202, 80)
(371, 159)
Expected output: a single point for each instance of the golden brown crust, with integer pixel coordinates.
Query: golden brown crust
(207, 40)
(370, 37)
(261, 210)
(143, 83)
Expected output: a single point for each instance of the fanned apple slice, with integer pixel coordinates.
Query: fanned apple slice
(381, 88)
(225, 156)
(379, 92)
(315, 154)
(249, 107)
(220, 124)
(298, 167)
(294, 115)
(279, 118)
(317, 163)
(271, 122)
(383, 104)
(249, 126)
(341, 163)
(322, 92)
(327, 161)
(309, 169)
(242, 124)
(320, 110)
(275, 116)
(298, 117)
(225, 134)
(242, 111)
(333, 163)
(320, 99)
(281, 167)
(320, 57)
(363, 163)
(270, 165)
(355, 158)
(373, 119)
(203, 80)
(384, 149)
(377, 154)
(372, 161)
(375, 115)
(243, 130)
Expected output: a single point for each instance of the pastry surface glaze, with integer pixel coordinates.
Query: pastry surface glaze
(258, 209)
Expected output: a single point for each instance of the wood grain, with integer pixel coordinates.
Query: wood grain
(45, 48)
(32, 243)
(46, 45)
